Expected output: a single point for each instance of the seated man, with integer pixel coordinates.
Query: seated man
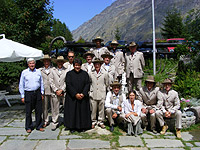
(151, 104)
(171, 104)
(115, 105)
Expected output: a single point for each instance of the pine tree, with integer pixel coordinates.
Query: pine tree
(173, 25)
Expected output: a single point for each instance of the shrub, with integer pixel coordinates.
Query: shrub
(187, 84)
(10, 73)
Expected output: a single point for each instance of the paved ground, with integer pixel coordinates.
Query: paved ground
(14, 137)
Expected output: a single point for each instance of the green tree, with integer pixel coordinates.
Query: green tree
(117, 34)
(60, 29)
(80, 40)
(26, 21)
(192, 24)
(173, 26)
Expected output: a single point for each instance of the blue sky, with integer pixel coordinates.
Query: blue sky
(75, 12)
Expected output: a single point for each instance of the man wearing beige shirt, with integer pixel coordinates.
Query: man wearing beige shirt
(99, 83)
(57, 82)
(98, 50)
(134, 67)
(46, 71)
(170, 109)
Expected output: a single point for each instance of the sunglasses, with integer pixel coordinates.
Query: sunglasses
(71, 56)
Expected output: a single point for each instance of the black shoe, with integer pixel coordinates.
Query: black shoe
(112, 128)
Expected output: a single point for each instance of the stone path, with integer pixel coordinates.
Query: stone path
(14, 137)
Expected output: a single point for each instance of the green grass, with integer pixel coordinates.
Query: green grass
(192, 127)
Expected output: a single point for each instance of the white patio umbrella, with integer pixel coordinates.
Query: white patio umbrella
(11, 51)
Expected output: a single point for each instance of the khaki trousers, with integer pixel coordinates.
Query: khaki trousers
(97, 108)
(152, 119)
(177, 115)
(55, 106)
(134, 82)
(110, 112)
(45, 103)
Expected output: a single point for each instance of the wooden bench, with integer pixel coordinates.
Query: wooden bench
(3, 97)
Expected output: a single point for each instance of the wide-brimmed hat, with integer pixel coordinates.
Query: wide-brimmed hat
(115, 83)
(88, 53)
(150, 79)
(60, 58)
(132, 44)
(97, 60)
(46, 57)
(114, 42)
(168, 81)
(97, 38)
(107, 54)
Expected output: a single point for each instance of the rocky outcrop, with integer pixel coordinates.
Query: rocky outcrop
(133, 18)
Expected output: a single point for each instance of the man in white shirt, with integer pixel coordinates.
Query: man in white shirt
(88, 66)
(69, 65)
(115, 105)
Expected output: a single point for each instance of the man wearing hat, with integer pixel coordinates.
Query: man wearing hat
(57, 82)
(115, 105)
(88, 66)
(99, 83)
(98, 50)
(118, 59)
(46, 71)
(170, 109)
(134, 67)
(31, 89)
(69, 65)
(151, 103)
(106, 66)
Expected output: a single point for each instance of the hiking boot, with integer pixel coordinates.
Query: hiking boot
(178, 133)
(164, 129)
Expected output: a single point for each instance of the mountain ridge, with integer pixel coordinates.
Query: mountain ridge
(132, 18)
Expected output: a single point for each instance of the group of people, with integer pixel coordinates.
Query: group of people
(91, 92)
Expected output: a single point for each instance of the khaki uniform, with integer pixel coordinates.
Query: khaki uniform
(111, 72)
(57, 82)
(118, 61)
(134, 69)
(47, 92)
(99, 84)
(150, 101)
(111, 104)
(171, 103)
(98, 52)
(85, 67)
(68, 66)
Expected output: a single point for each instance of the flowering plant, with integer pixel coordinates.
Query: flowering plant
(185, 103)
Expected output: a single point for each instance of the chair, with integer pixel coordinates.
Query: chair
(3, 97)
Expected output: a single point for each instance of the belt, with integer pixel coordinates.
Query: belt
(34, 91)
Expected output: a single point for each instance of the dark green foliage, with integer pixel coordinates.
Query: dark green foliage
(192, 24)
(181, 50)
(117, 34)
(60, 29)
(188, 83)
(80, 40)
(10, 73)
(27, 22)
(173, 25)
